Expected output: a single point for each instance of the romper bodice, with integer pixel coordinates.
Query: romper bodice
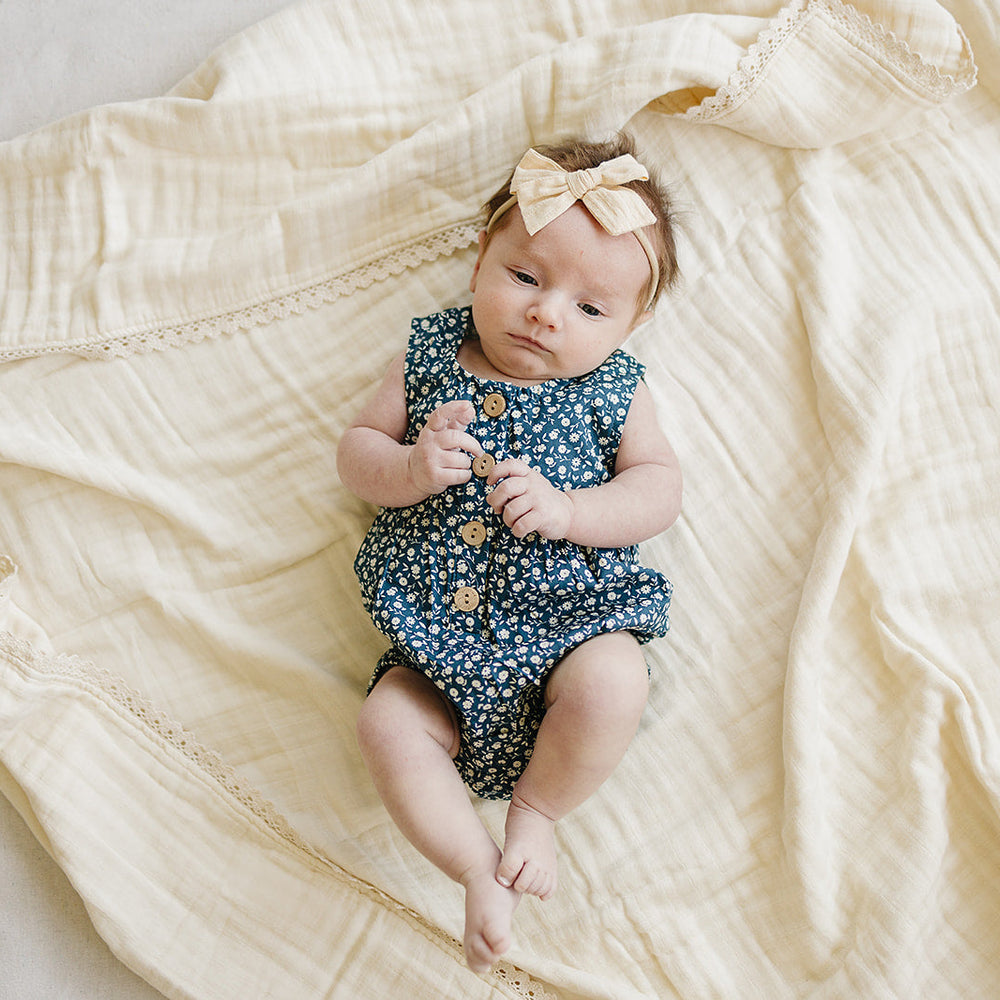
(447, 575)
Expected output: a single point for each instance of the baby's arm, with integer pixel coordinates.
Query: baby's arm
(643, 498)
(374, 464)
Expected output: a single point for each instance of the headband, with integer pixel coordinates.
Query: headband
(543, 191)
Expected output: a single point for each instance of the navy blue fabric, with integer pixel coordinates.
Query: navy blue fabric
(538, 598)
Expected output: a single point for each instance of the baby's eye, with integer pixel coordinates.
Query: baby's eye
(589, 309)
(525, 279)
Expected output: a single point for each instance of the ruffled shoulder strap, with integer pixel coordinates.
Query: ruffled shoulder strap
(616, 379)
(432, 350)
(623, 368)
(610, 389)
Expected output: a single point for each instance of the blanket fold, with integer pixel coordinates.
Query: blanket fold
(810, 807)
(142, 259)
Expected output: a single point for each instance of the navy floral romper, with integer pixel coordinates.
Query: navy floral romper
(485, 615)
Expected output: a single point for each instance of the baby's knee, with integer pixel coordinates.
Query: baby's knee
(401, 707)
(605, 677)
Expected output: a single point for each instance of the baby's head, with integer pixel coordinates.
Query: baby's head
(656, 237)
(571, 262)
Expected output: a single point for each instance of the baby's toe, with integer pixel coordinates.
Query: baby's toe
(546, 886)
(535, 880)
(510, 869)
(479, 954)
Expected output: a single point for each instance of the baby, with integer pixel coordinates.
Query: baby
(516, 457)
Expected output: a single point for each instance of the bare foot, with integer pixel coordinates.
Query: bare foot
(489, 910)
(529, 851)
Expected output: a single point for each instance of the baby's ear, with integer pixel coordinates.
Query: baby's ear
(643, 317)
(479, 258)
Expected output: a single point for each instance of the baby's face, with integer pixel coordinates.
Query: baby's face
(556, 304)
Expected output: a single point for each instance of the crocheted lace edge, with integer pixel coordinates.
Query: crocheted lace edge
(114, 693)
(141, 340)
(871, 36)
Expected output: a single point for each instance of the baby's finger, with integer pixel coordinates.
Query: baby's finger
(517, 509)
(455, 413)
(504, 492)
(453, 476)
(453, 440)
(521, 524)
(453, 460)
(508, 467)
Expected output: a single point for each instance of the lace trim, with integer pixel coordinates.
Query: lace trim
(279, 306)
(872, 37)
(116, 694)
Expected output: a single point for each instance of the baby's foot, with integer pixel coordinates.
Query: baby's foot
(489, 910)
(529, 851)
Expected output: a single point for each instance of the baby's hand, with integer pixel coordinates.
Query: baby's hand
(528, 501)
(442, 455)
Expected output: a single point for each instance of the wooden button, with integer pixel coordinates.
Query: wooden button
(466, 599)
(483, 465)
(494, 404)
(474, 533)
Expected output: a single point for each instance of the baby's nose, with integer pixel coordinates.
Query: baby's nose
(546, 312)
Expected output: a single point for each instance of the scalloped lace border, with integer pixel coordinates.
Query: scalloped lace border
(277, 306)
(873, 36)
(869, 34)
(116, 694)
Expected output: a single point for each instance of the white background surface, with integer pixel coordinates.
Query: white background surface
(60, 57)
(63, 56)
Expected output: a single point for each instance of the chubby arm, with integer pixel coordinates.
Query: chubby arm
(374, 464)
(643, 498)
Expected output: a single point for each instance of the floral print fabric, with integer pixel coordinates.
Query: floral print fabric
(485, 615)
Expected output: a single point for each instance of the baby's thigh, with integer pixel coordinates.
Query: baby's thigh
(606, 673)
(405, 702)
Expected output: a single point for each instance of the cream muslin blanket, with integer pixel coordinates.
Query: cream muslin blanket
(199, 291)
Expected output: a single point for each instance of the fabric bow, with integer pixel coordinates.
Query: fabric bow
(545, 190)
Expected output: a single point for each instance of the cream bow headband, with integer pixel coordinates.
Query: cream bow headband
(543, 191)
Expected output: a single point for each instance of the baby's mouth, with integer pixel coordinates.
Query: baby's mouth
(528, 342)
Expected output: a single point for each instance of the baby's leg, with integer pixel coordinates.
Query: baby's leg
(408, 737)
(594, 698)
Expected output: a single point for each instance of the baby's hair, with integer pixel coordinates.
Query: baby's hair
(578, 154)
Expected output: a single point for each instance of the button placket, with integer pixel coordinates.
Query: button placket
(494, 405)
(472, 518)
(466, 599)
(482, 466)
(473, 533)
